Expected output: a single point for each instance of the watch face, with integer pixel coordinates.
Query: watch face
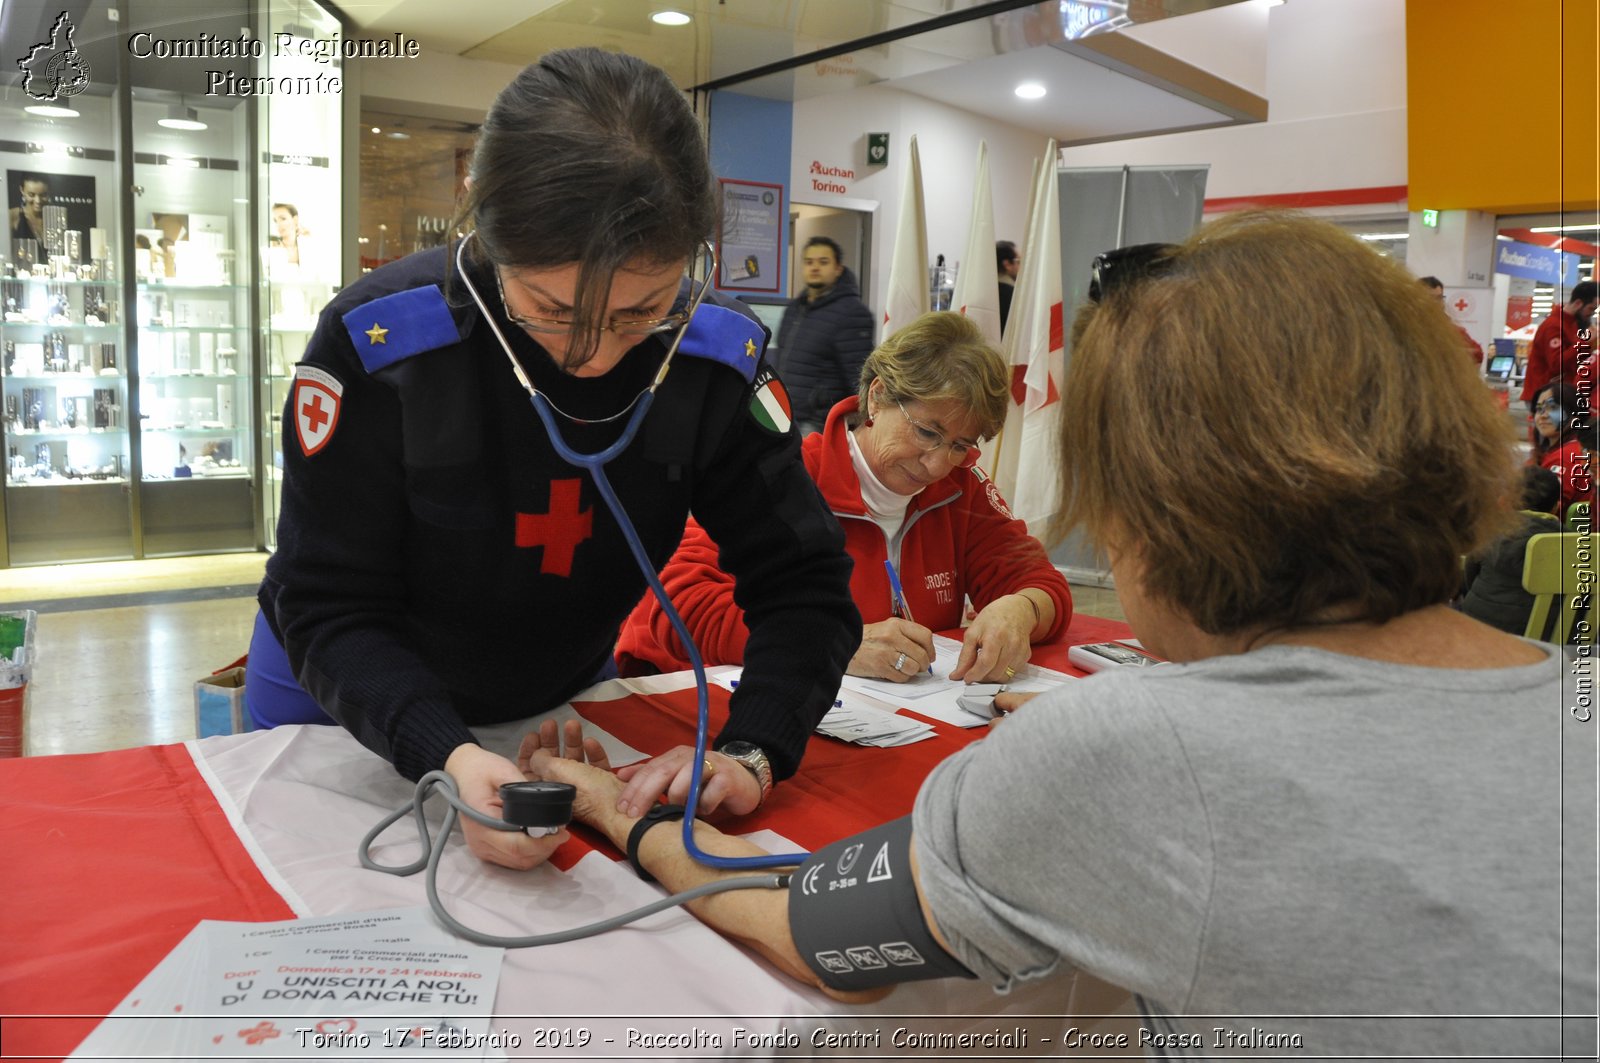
(739, 749)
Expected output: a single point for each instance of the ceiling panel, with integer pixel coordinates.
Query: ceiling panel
(1094, 93)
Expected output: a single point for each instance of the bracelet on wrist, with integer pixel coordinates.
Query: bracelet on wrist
(1037, 615)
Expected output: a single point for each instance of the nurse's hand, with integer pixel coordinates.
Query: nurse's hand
(727, 784)
(478, 774)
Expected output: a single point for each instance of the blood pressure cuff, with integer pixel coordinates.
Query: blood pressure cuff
(854, 914)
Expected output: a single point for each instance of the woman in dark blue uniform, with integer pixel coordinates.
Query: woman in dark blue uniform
(439, 564)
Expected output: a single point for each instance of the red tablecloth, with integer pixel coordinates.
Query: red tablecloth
(111, 858)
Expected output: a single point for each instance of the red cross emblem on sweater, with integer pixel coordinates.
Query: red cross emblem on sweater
(316, 407)
(560, 530)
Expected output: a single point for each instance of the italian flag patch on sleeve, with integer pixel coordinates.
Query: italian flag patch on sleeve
(769, 403)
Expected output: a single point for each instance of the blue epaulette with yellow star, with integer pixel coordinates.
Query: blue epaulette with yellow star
(398, 326)
(725, 336)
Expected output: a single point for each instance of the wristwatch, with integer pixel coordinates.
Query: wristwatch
(754, 760)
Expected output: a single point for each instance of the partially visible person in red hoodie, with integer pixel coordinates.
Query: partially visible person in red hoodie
(897, 464)
(1563, 426)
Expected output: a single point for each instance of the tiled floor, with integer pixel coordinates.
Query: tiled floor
(119, 645)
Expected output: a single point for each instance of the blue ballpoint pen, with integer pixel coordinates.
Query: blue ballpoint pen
(901, 607)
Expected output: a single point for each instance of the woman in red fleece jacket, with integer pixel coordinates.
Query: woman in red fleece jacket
(897, 465)
(1563, 428)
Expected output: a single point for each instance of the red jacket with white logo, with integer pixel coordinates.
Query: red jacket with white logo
(959, 538)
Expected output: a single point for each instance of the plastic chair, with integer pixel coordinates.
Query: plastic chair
(1578, 517)
(1559, 572)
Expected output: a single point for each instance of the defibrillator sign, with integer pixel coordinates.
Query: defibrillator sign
(316, 407)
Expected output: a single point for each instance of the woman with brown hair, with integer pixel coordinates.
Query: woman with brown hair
(1343, 798)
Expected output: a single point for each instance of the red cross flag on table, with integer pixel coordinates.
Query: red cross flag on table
(316, 407)
(1025, 462)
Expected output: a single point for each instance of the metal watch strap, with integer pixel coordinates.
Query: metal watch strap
(754, 760)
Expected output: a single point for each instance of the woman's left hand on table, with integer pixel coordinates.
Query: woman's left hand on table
(996, 644)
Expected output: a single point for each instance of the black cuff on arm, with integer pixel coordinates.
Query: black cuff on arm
(855, 917)
(655, 815)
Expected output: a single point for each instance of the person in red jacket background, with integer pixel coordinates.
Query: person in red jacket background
(1562, 342)
(897, 465)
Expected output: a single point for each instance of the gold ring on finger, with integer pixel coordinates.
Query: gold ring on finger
(1010, 672)
(710, 769)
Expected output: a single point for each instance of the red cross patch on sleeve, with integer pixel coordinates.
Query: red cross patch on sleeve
(316, 398)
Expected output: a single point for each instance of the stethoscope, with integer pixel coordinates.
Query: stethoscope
(594, 464)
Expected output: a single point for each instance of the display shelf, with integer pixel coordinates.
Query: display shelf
(59, 433)
(204, 428)
(65, 282)
(66, 377)
(172, 284)
(111, 329)
(191, 328)
(68, 481)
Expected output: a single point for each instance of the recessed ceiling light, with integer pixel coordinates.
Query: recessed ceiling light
(397, 135)
(670, 18)
(48, 110)
(375, 129)
(1030, 90)
(181, 117)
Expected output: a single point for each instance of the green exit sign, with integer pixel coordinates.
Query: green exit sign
(1430, 218)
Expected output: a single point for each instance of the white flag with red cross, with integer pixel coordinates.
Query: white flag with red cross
(1025, 463)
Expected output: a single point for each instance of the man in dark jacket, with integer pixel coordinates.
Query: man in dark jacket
(825, 336)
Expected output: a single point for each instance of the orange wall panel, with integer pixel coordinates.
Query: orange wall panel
(1503, 107)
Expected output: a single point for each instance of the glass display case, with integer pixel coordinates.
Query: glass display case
(168, 250)
(192, 392)
(64, 385)
(299, 264)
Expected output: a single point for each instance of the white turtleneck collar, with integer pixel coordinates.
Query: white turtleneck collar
(886, 508)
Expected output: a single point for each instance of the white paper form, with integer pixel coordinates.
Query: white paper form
(853, 718)
(934, 694)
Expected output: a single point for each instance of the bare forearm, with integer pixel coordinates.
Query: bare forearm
(757, 918)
